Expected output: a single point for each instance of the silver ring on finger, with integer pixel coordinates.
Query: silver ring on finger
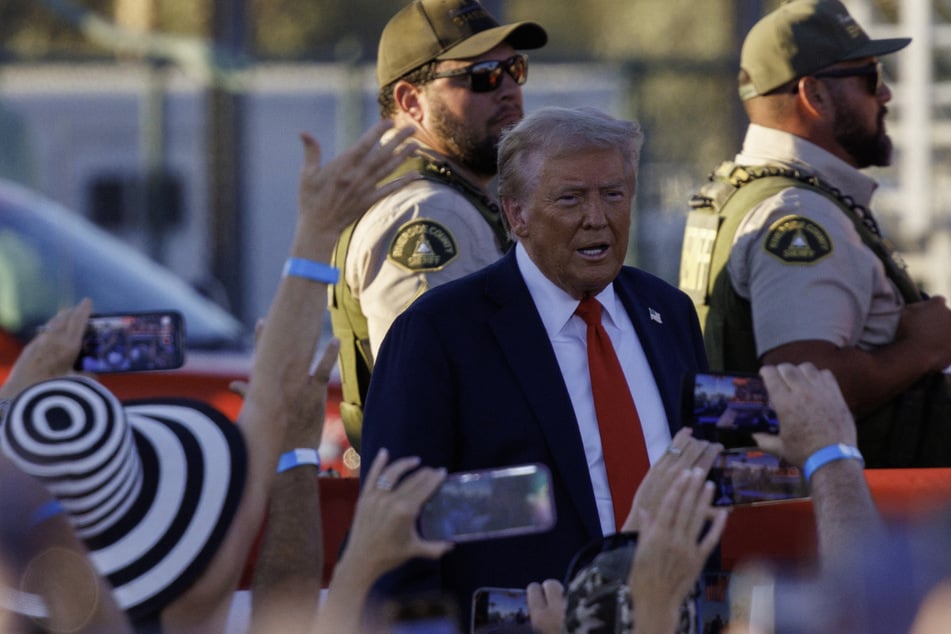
(674, 451)
(384, 484)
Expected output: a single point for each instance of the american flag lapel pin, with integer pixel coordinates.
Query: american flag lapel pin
(655, 316)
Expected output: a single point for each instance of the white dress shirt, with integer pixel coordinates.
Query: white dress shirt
(568, 335)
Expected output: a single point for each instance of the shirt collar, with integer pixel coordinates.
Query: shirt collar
(555, 306)
(431, 153)
(764, 145)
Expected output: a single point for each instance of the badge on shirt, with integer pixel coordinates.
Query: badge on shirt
(422, 245)
(797, 240)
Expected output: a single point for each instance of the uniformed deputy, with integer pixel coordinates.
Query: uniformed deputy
(785, 260)
(450, 71)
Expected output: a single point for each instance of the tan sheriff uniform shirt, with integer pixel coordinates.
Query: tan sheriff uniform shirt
(799, 260)
(420, 236)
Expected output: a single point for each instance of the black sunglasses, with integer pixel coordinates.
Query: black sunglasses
(487, 76)
(590, 552)
(871, 72)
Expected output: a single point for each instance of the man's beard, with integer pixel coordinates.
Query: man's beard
(478, 154)
(865, 147)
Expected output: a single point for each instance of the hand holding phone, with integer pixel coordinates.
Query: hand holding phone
(476, 505)
(730, 409)
(132, 342)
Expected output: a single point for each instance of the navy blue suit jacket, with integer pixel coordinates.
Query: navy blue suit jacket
(467, 379)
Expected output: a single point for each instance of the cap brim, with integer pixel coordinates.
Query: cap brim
(874, 48)
(521, 35)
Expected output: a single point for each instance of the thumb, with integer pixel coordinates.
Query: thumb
(239, 387)
(312, 153)
(434, 550)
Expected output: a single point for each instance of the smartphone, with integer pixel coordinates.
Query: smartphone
(728, 408)
(476, 505)
(500, 610)
(714, 608)
(133, 342)
(750, 476)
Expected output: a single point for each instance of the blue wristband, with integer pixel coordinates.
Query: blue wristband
(310, 270)
(829, 454)
(45, 511)
(298, 457)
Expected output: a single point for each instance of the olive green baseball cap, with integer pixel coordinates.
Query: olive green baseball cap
(427, 30)
(802, 37)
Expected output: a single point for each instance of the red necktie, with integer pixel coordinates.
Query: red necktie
(622, 440)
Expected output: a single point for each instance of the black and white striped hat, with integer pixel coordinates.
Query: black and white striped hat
(150, 487)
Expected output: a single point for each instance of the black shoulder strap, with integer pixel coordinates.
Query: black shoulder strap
(862, 221)
(440, 171)
(709, 213)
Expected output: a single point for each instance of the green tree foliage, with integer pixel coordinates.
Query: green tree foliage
(314, 29)
(29, 30)
(621, 29)
(292, 29)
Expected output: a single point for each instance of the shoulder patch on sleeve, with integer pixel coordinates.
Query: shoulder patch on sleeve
(422, 245)
(797, 240)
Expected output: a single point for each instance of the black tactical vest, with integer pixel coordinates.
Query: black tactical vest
(912, 430)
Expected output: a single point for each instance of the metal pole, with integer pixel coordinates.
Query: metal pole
(153, 130)
(225, 152)
(350, 114)
(746, 14)
(915, 66)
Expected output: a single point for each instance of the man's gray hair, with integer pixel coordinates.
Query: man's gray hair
(556, 131)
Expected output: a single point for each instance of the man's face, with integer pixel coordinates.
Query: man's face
(859, 126)
(466, 125)
(574, 220)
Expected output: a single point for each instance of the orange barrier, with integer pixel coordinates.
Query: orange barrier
(786, 531)
(338, 499)
(781, 532)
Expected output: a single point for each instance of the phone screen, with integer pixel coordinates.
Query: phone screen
(476, 505)
(500, 610)
(729, 408)
(749, 475)
(133, 342)
(714, 606)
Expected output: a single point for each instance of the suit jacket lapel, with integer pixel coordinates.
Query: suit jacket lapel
(526, 347)
(656, 341)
